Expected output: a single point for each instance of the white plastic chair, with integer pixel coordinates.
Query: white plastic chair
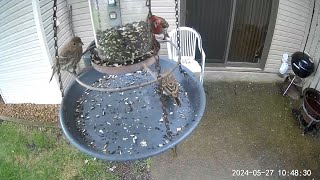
(188, 40)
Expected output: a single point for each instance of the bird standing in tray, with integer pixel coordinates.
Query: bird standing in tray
(159, 25)
(170, 88)
(169, 85)
(69, 56)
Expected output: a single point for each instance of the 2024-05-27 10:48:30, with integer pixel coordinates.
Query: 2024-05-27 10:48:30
(270, 172)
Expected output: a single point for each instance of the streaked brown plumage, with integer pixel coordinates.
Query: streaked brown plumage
(170, 88)
(169, 85)
(69, 56)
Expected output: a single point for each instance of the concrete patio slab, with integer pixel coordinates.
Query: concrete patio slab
(233, 76)
(245, 127)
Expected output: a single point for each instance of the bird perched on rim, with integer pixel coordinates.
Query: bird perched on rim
(170, 88)
(159, 25)
(69, 56)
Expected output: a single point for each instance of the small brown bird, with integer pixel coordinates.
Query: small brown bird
(169, 85)
(69, 56)
(170, 88)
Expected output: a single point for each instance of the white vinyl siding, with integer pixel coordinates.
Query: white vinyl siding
(81, 20)
(24, 67)
(313, 48)
(166, 10)
(290, 32)
(64, 31)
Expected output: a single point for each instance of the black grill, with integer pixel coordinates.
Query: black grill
(302, 64)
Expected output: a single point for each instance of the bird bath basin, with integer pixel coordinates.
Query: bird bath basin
(124, 126)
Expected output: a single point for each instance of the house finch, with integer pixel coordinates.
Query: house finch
(69, 56)
(170, 85)
(159, 25)
(171, 88)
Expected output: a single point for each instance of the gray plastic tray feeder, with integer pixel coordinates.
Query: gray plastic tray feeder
(125, 126)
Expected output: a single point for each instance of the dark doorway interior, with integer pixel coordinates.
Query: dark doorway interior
(233, 31)
(211, 19)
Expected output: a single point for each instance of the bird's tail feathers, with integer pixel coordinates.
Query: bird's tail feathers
(53, 72)
(177, 100)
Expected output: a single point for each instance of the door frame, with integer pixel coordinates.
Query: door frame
(267, 44)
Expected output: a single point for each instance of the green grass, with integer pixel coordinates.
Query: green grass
(39, 153)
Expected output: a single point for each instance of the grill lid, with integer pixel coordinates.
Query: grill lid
(302, 64)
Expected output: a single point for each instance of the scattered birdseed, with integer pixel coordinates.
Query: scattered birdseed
(112, 168)
(143, 143)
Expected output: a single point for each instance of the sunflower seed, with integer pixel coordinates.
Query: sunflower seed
(143, 143)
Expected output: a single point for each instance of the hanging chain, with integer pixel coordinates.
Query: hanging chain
(178, 32)
(159, 77)
(55, 37)
(162, 97)
(177, 23)
(148, 4)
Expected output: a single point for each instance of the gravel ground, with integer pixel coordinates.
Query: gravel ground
(32, 112)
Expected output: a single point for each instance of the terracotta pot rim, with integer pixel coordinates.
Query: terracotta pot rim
(311, 110)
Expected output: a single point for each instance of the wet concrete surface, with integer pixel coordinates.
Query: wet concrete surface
(245, 127)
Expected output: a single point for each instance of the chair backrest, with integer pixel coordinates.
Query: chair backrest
(188, 39)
